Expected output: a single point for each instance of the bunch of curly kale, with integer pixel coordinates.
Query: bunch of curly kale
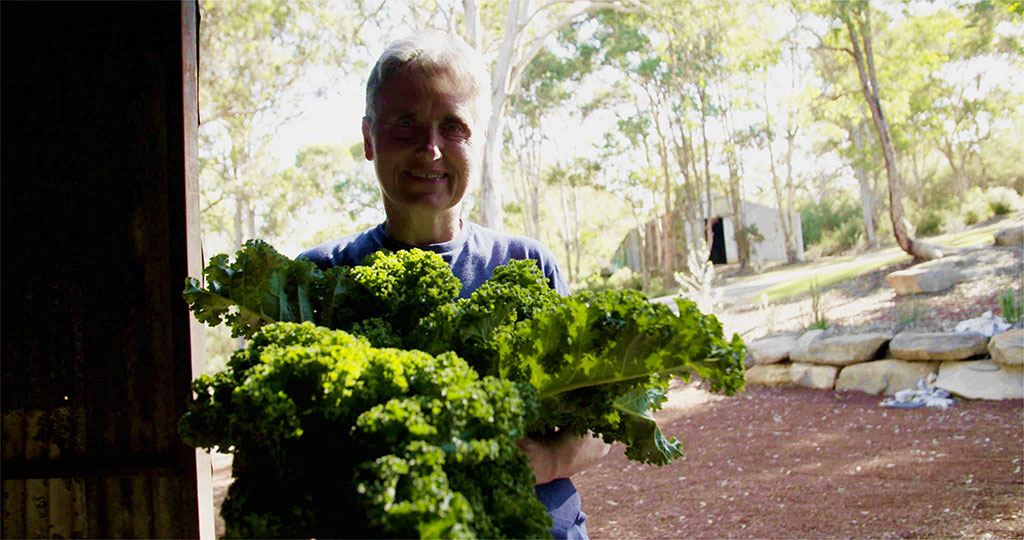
(393, 408)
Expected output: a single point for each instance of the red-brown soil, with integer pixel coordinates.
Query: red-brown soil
(799, 463)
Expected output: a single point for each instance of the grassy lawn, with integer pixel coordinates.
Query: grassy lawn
(841, 268)
(830, 275)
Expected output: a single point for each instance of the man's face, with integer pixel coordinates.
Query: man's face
(425, 143)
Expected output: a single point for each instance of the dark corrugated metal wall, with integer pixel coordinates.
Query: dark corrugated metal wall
(95, 344)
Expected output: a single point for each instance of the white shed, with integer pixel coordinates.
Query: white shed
(768, 221)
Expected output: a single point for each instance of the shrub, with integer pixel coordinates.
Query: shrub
(625, 278)
(975, 208)
(1011, 306)
(843, 239)
(1002, 200)
(818, 319)
(929, 222)
(660, 286)
(820, 218)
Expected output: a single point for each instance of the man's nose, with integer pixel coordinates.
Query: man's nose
(432, 142)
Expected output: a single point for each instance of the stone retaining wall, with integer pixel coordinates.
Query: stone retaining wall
(966, 364)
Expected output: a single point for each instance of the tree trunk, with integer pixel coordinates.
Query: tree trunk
(472, 23)
(786, 210)
(702, 94)
(738, 232)
(860, 29)
(867, 199)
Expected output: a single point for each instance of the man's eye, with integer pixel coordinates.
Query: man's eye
(454, 127)
(404, 122)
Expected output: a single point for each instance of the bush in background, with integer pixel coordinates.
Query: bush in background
(818, 219)
(929, 221)
(1002, 200)
(975, 208)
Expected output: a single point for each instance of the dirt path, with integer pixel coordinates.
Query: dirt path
(797, 463)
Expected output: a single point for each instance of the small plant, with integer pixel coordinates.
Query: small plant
(695, 283)
(818, 319)
(1011, 306)
(975, 207)
(768, 311)
(911, 313)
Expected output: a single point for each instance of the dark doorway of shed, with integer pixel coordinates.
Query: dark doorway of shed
(717, 242)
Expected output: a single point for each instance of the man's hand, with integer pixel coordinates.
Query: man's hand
(562, 455)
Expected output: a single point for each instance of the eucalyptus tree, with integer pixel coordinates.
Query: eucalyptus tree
(515, 32)
(689, 65)
(255, 56)
(932, 111)
(645, 98)
(547, 84)
(842, 121)
(852, 33)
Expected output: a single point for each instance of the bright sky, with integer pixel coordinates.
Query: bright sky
(335, 120)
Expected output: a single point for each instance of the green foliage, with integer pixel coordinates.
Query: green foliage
(1011, 306)
(625, 279)
(818, 319)
(825, 220)
(661, 286)
(620, 280)
(930, 222)
(975, 208)
(1002, 200)
(592, 360)
(435, 457)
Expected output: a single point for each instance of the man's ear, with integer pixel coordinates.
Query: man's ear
(367, 139)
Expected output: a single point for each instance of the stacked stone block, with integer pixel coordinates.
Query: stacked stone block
(967, 364)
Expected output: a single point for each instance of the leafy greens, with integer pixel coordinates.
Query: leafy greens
(597, 363)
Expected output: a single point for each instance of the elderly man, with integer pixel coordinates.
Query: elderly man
(427, 106)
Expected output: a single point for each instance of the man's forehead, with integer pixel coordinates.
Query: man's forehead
(439, 79)
(445, 83)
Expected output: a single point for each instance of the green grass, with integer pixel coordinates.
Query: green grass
(971, 238)
(830, 275)
(846, 268)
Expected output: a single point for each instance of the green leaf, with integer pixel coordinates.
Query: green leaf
(261, 286)
(648, 443)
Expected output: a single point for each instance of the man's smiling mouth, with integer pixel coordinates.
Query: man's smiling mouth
(426, 175)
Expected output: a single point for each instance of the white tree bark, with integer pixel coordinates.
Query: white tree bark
(519, 45)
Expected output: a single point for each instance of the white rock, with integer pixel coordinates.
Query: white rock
(769, 375)
(771, 350)
(813, 376)
(1008, 348)
(982, 379)
(925, 395)
(883, 376)
(803, 343)
(938, 345)
(847, 349)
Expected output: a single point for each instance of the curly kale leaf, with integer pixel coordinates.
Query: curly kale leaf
(408, 444)
(591, 358)
(514, 293)
(400, 288)
(261, 286)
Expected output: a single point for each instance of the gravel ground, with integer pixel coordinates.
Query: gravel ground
(866, 303)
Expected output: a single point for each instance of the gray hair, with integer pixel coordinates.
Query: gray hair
(432, 53)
